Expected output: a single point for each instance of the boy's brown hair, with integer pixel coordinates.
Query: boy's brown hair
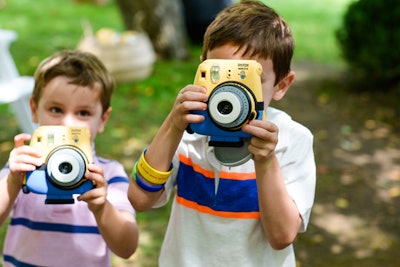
(258, 28)
(81, 68)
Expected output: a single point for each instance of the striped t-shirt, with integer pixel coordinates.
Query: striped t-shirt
(62, 234)
(215, 217)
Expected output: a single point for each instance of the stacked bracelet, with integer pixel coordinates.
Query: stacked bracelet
(150, 174)
(142, 184)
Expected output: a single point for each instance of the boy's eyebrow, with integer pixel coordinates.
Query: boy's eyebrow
(86, 109)
(54, 102)
(61, 103)
(87, 106)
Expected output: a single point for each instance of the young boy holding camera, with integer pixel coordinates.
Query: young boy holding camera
(72, 89)
(245, 215)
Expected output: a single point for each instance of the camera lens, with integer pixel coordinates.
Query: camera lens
(225, 107)
(65, 167)
(229, 106)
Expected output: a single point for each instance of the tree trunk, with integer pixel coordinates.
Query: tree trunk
(162, 20)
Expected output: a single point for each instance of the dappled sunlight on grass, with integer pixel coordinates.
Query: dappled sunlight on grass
(355, 219)
(363, 237)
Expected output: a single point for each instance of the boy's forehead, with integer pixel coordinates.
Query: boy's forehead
(65, 84)
(232, 51)
(226, 51)
(70, 95)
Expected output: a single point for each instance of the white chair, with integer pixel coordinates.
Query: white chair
(15, 90)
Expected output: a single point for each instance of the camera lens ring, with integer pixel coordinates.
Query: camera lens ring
(239, 98)
(66, 167)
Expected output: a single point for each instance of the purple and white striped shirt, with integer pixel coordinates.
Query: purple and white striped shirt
(62, 234)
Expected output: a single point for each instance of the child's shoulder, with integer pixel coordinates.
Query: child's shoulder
(276, 115)
(284, 120)
(104, 161)
(288, 128)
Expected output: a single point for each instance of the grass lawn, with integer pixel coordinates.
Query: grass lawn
(46, 26)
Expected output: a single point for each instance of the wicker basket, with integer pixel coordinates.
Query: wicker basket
(129, 56)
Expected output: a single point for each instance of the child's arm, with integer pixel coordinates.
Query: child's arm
(280, 216)
(161, 151)
(23, 158)
(118, 228)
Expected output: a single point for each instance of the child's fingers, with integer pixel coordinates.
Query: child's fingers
(95, 173)
(188, 106)
(22, 167)
(194, 118)
(261, 129)
(20, 139)
(95, 168)
(192, 93)
(24, 158)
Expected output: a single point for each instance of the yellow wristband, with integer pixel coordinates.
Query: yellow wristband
(143, 185)
(150, 174)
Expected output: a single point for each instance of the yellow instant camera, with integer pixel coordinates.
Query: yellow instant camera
(66, 153)
(234, 92)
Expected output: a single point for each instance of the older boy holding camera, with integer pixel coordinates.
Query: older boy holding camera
(246, 215)
(71, 89)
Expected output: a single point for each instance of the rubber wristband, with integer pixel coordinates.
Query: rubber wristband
(150, 174)
(142, 184)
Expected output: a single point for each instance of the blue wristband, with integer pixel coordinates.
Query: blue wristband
(143, 185)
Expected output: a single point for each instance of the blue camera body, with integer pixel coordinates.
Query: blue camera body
(218, 136)
(40, 183)
(66, 153)
(234, 98)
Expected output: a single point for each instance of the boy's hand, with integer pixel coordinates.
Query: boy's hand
(265, 138)
(23, 158)
(189, 98)
(96, 197)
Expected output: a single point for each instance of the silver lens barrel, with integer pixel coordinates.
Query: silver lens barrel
(66, 167)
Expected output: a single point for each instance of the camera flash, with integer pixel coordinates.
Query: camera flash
(215, 73)
(50, 139)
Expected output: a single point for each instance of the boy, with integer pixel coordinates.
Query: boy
(274, 190)
(71, 89)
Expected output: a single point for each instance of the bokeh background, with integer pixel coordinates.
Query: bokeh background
(356, 216)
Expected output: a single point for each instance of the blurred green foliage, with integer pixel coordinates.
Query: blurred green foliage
(369, 38)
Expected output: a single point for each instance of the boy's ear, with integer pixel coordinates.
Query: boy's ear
(104, 119)
(33, 106)
(283, 86)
